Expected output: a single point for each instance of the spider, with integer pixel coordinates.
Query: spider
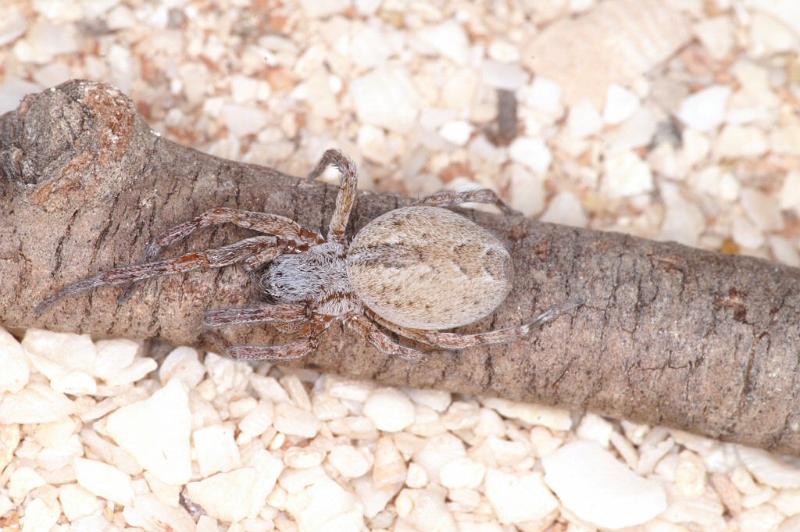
(415, 271)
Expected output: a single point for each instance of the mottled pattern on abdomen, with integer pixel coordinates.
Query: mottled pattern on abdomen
(428, 268)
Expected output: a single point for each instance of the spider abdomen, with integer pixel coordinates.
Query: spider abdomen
(428, 268)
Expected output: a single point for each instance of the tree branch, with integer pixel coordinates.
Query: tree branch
(669, 335)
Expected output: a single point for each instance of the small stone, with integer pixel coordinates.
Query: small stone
(45, 40)
(348, 461)
(104, 480)
(76, 502)
(770, 36)
(544, 95)
(506, 76)
(683, 221)
(532, 153)
(626, 174)
(784, 250)
(237, 486)
(13, 25)
(597, 488)
(764, 517)
(621, 104)
(373, 145)
(14, 371)
(740, 141)
(790, 192)
(716, 35)
(448, 40)
(386, 97)
(9, 440)
(389, 468)
(36, 403)
(182, 363)
(301, 458)
(704, 110)
(504, 51)
(768, 469)
(518, 497)
(370, 47)
(324, 505)
(149, 513)
(760, 208)
(389, 409)
(215, 449)
(690, 475)
(746, 234)
(546, 416)
(22, 481)
(68, 351)
(584, 120)
(595, 428)
(416, 477)
(786, 140)
(112, 356)
(437, 400)
(294, 421)
(256, 422)
(243, 120)
(456, 132)
(156, 432)
(716, 183)
(462, 473)
(438, 451)
(565, 208)
(40, 516)
(425, 510)
(324, 8)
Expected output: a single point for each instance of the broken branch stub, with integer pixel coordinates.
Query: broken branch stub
(667, 335)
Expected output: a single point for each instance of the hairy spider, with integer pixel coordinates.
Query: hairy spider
(415, 271)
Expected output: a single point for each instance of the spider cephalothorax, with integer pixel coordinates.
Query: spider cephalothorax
(415, 271)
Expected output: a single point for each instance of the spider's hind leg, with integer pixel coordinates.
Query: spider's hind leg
(452, 198)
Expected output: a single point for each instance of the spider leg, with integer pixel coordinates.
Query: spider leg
(210, 258)
(347, 191)
(451, 198)
(445, 340)
(381, 341)
(280, 353)
(270, 224)
(261, 314)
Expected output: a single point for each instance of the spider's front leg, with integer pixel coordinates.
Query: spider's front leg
(244, 250)
(347, 191)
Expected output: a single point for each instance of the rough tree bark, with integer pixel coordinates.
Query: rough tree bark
(668, 335)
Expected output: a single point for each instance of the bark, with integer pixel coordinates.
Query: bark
(668, 335)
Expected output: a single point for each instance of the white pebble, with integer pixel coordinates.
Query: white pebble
(76, 502)
(182, 363)
(389, 409)
(425, 510)
(740, 141)
(372, 144)
(583, 120)
(437, 400)
(716, 36)
(22, 481)
(518, 497)
(438, 451)
(546, 416)
(237, 486)
(68, 351)
(503, 51)
(324, 8)
(785, 250)
(531, 152)
(768, 469)
(156, 432)
(447, 39)
(149, 513)
(256, 422)
(760, 208)
(626, 174)
(13, 25)
(104, 480)
(242, 120)
(303, 457)
(705, 109)
(746, 234)
(597, 488)
(348, 461)
(621, 104)
(506, 76)
(786, 140)
(790, 192)
(544, 95)
(215, 449)
(294, 421)
(386, 97)
(769, 36)
(324, 505)
(565, 208)
(40, 515)
(14, 371)
(113, 356)
(595, 428)
(462, 473)
(36, 403)
(456, 132)
(683, 220)
(416, 477)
